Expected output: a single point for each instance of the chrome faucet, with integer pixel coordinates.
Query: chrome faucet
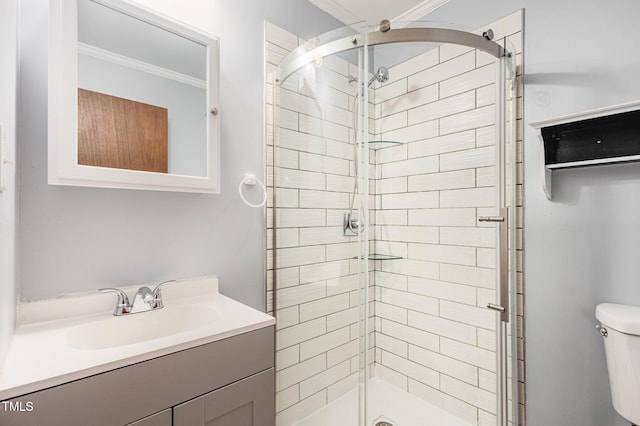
(144, 300)
(122, 303)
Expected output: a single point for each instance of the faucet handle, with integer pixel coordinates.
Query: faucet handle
(122, 304)
(157, 293)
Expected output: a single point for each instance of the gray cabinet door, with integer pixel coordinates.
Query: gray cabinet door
(248, 402)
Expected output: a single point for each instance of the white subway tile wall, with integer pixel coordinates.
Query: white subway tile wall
(431, 334)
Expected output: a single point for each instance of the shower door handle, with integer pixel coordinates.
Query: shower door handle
(503, 262)
(495, 307)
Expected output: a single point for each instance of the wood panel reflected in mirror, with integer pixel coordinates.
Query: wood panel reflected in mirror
(121, 133)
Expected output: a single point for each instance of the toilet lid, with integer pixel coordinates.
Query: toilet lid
(623, 318)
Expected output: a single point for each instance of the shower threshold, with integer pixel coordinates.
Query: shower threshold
(388, 405)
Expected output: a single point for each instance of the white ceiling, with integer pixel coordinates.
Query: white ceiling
(373, 11)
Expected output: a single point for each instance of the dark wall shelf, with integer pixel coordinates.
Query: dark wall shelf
(602, 136)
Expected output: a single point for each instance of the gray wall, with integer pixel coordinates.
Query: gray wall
(8, 199)
(583, 247)
(79, 239)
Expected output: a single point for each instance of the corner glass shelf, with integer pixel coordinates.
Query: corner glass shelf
(375, 145)
(378, 256)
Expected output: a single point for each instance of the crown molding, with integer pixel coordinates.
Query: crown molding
(419, 11)
(346, 12)
(105, 55)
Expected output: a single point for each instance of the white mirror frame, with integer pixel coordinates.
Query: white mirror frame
(63, 107)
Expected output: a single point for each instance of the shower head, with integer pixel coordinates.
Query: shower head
(381, 76)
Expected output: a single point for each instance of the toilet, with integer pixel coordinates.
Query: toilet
(620, 328)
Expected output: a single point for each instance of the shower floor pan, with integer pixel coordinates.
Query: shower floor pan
(387, 405)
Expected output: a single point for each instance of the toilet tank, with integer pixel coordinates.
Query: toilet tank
(622, 348)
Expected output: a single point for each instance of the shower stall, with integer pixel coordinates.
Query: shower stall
(394, 229)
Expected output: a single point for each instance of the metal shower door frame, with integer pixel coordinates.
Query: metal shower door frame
(402, 35)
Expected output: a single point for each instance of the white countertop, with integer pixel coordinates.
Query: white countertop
(42, 353)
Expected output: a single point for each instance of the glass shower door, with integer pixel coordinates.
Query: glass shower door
(318, 298)
(391, 183)
(441, 229)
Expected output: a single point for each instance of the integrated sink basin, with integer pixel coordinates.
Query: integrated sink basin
(130, 329)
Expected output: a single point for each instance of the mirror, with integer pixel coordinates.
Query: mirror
(132, 99)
